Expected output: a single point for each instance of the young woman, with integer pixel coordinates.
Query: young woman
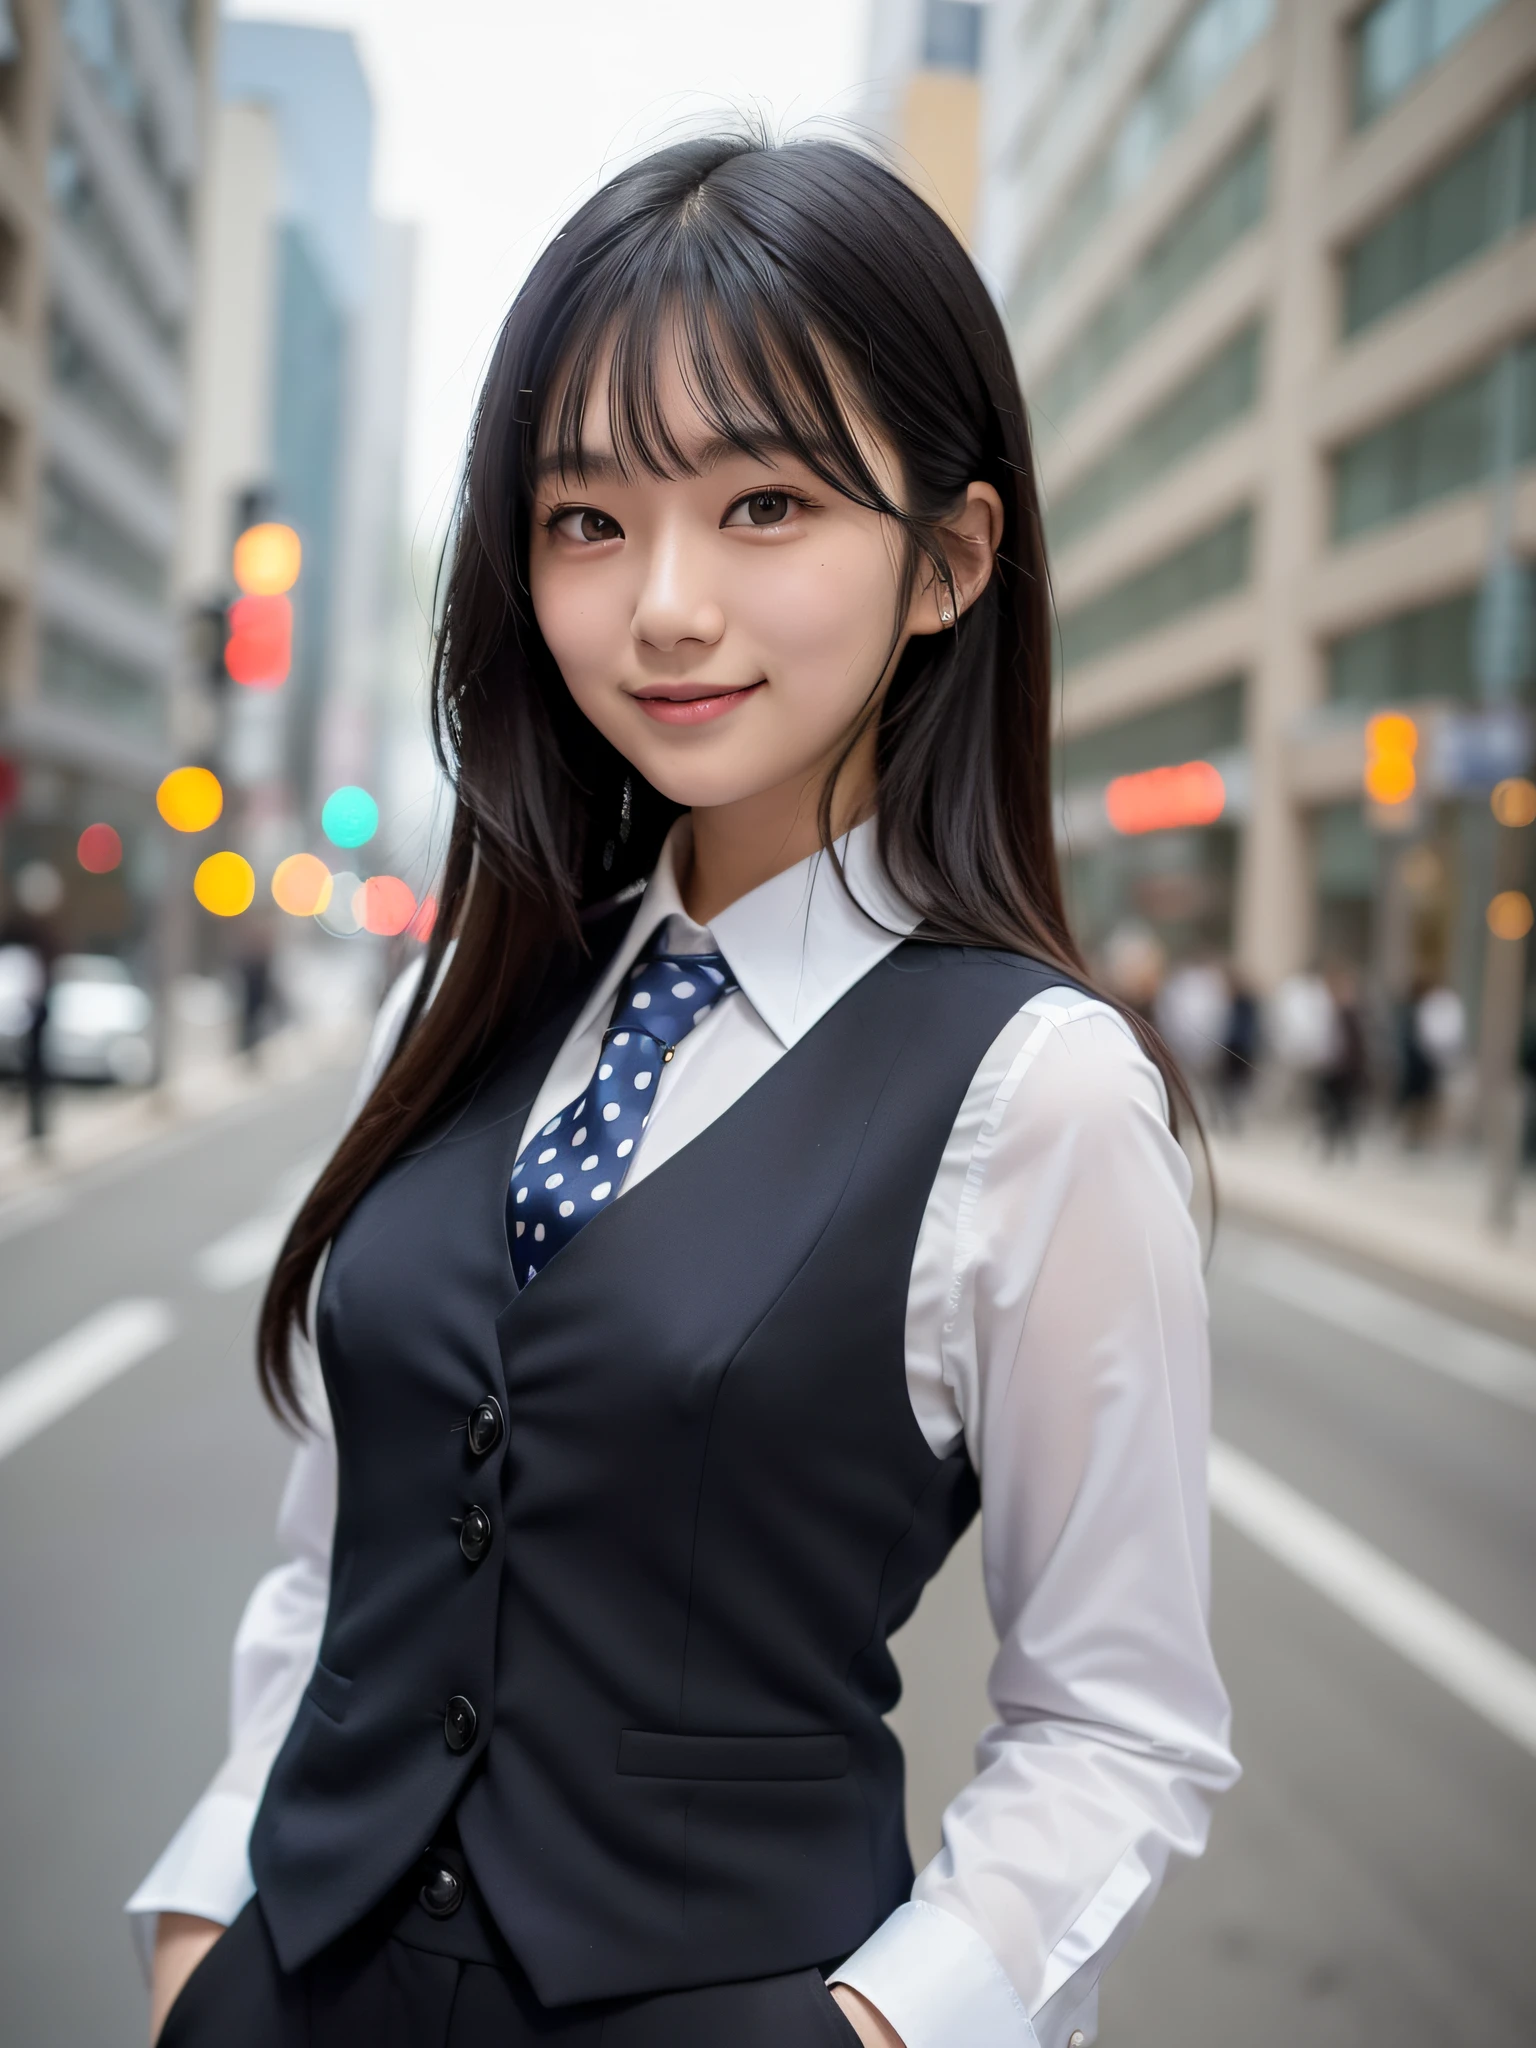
(752, 1188)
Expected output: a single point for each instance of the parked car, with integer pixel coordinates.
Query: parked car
(99, 1022)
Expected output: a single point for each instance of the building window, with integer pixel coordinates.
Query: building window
(75, 199)
(80, 680)
(1480, 196)
(1450, 443)
(1194, 728)
(1214, 221)
(1431, 651)
(952, 35)
(78, 376)
(76, 530)
(1396, 41)
(1220, 391)
(1206, 50)
(95, 32)
(1196, 574)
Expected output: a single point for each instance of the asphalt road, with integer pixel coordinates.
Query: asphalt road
(1370, 1881)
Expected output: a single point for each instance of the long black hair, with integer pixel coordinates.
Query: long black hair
(815, 295)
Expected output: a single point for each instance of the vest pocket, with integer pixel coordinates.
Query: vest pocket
(739, 1759)
(329, 1691)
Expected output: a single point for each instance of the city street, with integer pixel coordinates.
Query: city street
(1369, 1881)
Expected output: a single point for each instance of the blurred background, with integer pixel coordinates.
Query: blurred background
(1269, 271)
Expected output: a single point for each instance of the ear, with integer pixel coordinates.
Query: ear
(970, 538)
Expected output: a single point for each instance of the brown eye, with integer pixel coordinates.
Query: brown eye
(768, 508)
(598, 526)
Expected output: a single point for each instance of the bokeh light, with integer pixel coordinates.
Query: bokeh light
(1514, 801)
(1509, 914)
(190, 799)
(350, 817)
(99, 850)
(267, 559)
(384, 905)
(302, 885)
(339, 917)
(225, 884)
(259, 650)
(420, 926)
(1162, 799)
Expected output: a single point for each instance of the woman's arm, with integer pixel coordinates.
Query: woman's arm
(1066, 1312)
(181, 1942)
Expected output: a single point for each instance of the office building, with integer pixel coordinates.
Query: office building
(1270, 274)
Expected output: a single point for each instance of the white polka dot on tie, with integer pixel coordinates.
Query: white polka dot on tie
(552, 1125)
(522, 1194)
(604, 1071)
(621, 1038)
(567, 1208)
(580, 1139)
(682, 988)
(555, 1180)
(626, 1148)
(610, 1111)
(521, 1228)
(603, 1188)
(589, 1162)
(715, 974)
(700, 1015)
(578, 1110)
(641, 1000)
(643, 1080)
(538, 1233)
(517, 1169)
(546, 1155)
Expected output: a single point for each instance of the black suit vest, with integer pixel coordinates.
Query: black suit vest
(709, 1506)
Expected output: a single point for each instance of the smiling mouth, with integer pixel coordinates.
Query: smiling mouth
(693, 703)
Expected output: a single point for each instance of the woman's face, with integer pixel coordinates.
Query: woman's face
(722, 630)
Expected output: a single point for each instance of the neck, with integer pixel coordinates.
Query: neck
(739, 846)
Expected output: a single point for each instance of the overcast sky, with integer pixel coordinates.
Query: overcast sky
(495, 116)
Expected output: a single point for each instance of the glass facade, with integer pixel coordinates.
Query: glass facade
(79, 376)
(1203, 53)
(1450, 443)
(75, 529)
(1480, 196)
(98, 35)
(1396, 42)
(1214, 221)
(81, 680)
(74, 198)
(1190, 729)
(1220, 391)
(1197, 574)
(1431, 651)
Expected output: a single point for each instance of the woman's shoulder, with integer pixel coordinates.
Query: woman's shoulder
(1069, 1061)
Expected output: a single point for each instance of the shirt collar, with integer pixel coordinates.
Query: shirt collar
(797, 943)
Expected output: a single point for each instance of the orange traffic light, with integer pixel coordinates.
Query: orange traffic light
(259, 650)
(267, 559)
(1391, 742)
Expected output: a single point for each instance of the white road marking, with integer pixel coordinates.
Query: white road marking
(1477, 1358)
(248, 1252)
(1484, 1673)
(242, 1254)
(64, 1373)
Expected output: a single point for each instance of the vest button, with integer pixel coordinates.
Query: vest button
(459, 1724)
(443, 1892)
(486, 1425)
(475, 1534)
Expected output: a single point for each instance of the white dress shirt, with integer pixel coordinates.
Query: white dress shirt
(1056, 1322)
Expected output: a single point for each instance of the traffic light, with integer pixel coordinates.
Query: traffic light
(266, 562)
(1391, 742)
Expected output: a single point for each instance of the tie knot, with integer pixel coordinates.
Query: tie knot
(668, 994)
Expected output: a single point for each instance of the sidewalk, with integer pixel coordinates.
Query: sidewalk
(90, 1125)
(1420, 1213)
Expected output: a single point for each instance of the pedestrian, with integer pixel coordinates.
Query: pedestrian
(1239, 1049)
(754, 1187)
(1431, 1033)
(1343, 1075)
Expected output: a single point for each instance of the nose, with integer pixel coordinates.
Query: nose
(675, 603)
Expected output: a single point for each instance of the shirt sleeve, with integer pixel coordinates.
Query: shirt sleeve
(205, 1869)
(1057, 1315)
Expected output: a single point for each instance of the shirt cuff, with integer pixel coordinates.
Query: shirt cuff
(205, 1869)
(935, 1980)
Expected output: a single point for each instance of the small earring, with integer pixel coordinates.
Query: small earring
(945, 616)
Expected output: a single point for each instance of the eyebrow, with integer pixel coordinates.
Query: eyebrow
(599, 466)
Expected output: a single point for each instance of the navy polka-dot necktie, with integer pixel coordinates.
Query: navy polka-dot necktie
(575, 1164)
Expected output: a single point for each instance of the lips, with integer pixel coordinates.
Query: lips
(693, 703)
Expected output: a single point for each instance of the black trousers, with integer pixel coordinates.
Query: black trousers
(404, 1979)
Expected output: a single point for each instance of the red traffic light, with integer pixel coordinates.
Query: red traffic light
(259, 650)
